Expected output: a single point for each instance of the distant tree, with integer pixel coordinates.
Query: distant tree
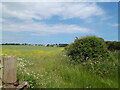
(63, 45)
(48, 45)
(113, 45)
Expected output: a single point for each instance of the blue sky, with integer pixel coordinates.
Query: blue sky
(43, 23)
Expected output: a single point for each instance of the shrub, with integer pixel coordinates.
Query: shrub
(113, 45)
(86, 48)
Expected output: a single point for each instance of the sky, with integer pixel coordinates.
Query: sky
(58, 22)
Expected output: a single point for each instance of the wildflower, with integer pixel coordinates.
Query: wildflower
(91, 63)
(41, 75)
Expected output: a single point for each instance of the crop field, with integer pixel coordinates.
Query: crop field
(49, 67)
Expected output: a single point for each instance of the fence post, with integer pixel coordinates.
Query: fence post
(9, 71)
(1, 71)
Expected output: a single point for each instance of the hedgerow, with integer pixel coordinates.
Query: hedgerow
(86, 48)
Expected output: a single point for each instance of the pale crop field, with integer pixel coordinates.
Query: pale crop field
(49, 67)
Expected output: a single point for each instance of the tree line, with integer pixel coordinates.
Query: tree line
(111, 45)
(48, 45)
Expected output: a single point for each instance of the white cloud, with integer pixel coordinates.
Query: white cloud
(27, 11)
(114, 24)
(59, 0)
(42, 29)
(1, 22)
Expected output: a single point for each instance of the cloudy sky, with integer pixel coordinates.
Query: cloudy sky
(58, 22)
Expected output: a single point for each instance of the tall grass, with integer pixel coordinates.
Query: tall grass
(51, 68)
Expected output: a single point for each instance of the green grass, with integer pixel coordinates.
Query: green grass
(49, 67)
(27, 48)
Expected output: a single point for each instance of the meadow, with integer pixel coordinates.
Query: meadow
(49, 67)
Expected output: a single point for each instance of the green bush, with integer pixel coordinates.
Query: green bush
(113, 45)
(86, 48)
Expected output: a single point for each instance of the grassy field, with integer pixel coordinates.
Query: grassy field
(49, 67)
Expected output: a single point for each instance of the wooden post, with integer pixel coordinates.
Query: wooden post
(9, 71)
(1, 71)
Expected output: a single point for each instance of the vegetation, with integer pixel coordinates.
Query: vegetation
(113, 45)
(50, 67)
(48, 45)
(88, 48)
(92, 53)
